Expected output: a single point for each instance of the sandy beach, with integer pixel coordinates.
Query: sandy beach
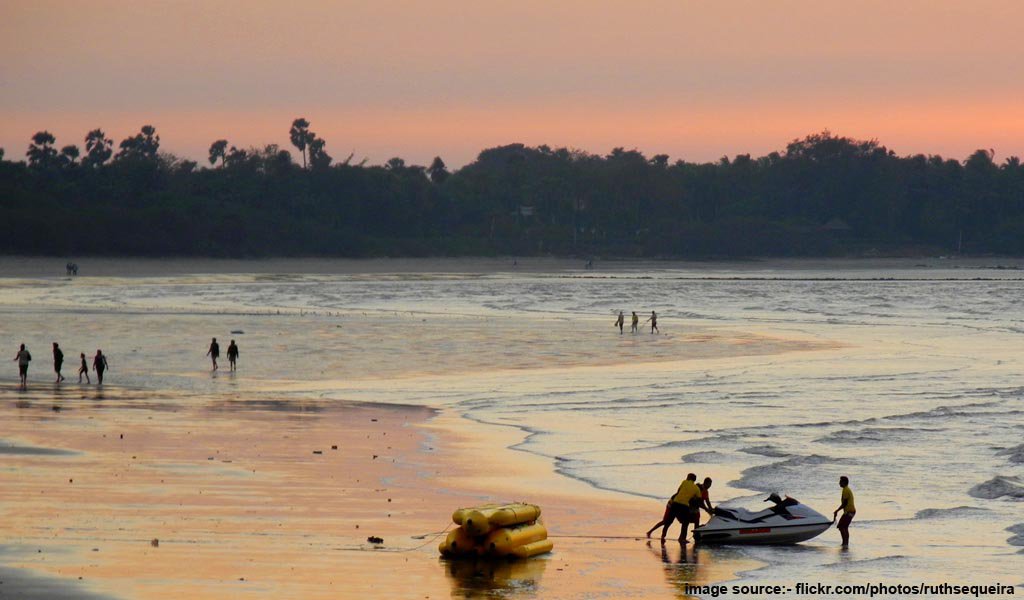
(119, 495)
(375, 404)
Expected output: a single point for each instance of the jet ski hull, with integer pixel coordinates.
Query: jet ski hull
(759, 534)
(788, 522)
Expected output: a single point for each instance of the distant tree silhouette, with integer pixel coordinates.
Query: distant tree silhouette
(69, 156)
(438, 171)
(142, 146)
(41, 153)
(98, 148)
(300, 137)
(318, 157)
(824, 194)
(218, 151)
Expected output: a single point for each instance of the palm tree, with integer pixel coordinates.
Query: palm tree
(41, 152)
(218, 150)
(300, 137)
(98, 148)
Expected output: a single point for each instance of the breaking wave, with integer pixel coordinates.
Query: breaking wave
(999, 486)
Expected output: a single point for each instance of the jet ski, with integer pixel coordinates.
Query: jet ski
(786, 522)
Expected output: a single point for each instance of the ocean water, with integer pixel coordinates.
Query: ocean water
(905, 376)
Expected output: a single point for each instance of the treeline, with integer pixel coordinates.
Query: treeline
(822, 195)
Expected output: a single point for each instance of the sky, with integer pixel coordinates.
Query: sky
(696, 80)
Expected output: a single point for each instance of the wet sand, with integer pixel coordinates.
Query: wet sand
(118, 494)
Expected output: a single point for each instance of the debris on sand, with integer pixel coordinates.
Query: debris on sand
(375, 540)
(155, 543)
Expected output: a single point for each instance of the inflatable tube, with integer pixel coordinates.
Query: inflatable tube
(533, 548)
(459, 543)
(460, 514)
(480, 520)
(504, 540)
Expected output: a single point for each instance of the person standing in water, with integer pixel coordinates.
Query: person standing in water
(23, 357)
(232, 354)
(58, 361)
(620, 321)
(636, 323)
(84, 370)
(654, 322)
(99, 364)
(849, 510)
(214, 352)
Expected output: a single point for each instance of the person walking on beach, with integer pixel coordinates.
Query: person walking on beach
(636, 323)
(58, 361)
(99, 364)
(232, 354)
(214, 352)
(23, 357)
(654, 322)
(849, 510)
(620, 321)
(84, 370)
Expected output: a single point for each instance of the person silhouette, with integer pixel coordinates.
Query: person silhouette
(23, 357)
(58, 361)
(99, 364)
(654, 322)
(214, 352)
(84, 370)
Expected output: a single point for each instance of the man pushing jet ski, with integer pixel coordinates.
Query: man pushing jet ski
(787, 521)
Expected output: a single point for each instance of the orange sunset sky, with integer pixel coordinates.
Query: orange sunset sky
(382, 78)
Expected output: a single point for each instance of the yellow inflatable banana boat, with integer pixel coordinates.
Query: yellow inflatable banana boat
(533, 548)
(480, 520)
(504, 540)
(459, 543)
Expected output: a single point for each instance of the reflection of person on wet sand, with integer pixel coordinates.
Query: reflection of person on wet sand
(683, 572)
(214, 352)
(619, 322)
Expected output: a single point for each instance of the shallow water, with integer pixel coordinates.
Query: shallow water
(766, 377)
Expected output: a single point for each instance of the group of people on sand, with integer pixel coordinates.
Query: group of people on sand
(685, 506)
(99, 362)
(214, 353)
(620, 322)
(99, 365)
(692, 497)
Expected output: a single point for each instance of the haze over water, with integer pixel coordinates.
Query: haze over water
(768, 377)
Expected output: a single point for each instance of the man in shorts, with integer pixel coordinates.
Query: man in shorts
(683, 504)
(849, 510)
(23, 357)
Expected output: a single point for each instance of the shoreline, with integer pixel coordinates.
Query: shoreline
(439, 461)
(105, 266)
